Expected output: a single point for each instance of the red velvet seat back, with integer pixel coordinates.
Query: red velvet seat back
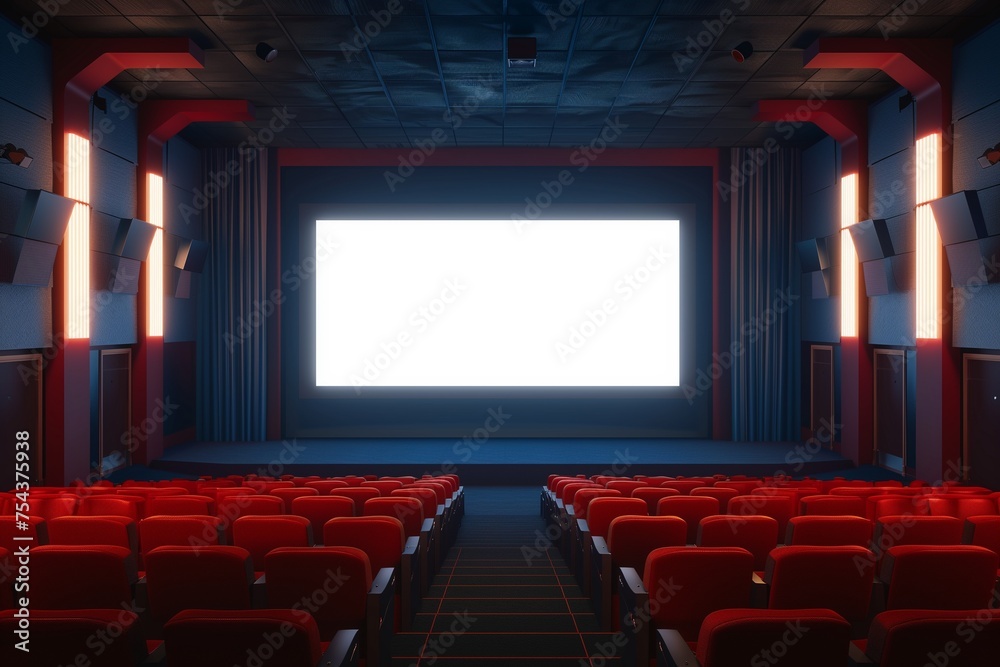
(689, 584)
(409, 511)
(381, 538)
(830, 505)
(582, 498)
(194, 530)
(325, 486)
(779, 507)
(81, 577)
(894, 531)
(320, 509)
(602, 511)
(287, 495)
(684, 486)
(626, 486)
(360, 495)
(939, 577)
(829, 531)
(426, 496)
(983, 531)
(205, 638)
(962, 507)
(837, 578)
(62, 638)
(385, 486)
(632, 538)
(756, 534)
(233, 508)
(651, 495)
(180, 505)
(259, 534)
(690, 508)
(116, 531)
(343, 573)
(806, 637)
(720, 493)
(179, 578)
(907, 637)
(51, 506)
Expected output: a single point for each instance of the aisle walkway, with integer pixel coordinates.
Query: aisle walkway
(490, 606)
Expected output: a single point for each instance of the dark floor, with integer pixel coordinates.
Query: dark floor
(500, 600)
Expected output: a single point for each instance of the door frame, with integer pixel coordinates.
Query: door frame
(965, 466)
(813, 428)
(127, 353)
(888, 461)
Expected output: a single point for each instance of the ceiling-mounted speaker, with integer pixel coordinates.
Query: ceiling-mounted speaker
(522, 51)
(44, 217)
(112, 273)
(134, 238)
(871, 240)
(26, 261)
(191, 255)
(959, 217)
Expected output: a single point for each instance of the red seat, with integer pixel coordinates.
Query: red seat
(204, 638)
(409, 511)
(651, 495)
(81, 577)
(426, 496)
(325, 486)
(625, 486)
(897, 531)
(93, 637)
(602, 511)
(360, 495)
(983, 531)
(580, 499)
(877, 507)
(632, 538)
(689, 584)
(385, 487)
(962, 507)
(831, 505)
(779, 507)
(37, 530)
(116, 531)
(381, 538)
(684, 486)
(804, 638)
(181, 505)
(720, 493)
(690, 508)
(806, 577)
(233, 507)
(939, 577)
(287, 495)
(179, 578)
(194, 530)
(909, 637)
(320, 509)
(345, 575)
(127, 506)
(830, 531)
(756, 534)
(49, 507)
(259, 534)
(742, 487)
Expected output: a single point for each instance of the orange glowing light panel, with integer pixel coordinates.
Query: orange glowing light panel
(77, 250)
(154, 263)
(848, 257)
(928, 172)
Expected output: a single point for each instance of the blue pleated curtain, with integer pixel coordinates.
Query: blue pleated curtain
(765, 313)
(232, 334)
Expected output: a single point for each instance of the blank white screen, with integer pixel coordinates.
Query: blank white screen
(481, 303)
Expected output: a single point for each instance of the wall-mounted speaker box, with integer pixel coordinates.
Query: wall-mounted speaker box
(111, 273)
(902, 233)
(974, 262)
(44, 217)
(191, 255)
(178, 283)
(26, 261)
(959, 217)
(133, 238)
(889, 275)
(871, 240)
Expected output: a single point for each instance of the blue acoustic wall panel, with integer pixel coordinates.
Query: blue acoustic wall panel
(889, 129)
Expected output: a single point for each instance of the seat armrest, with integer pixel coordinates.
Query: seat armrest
(412, 544)
(600, 545)
(582, 526)
(343, 651)
(258, 593)
(379, 617)
(631, 581)
(634, 614)
(559, 504)
(157, 658)
(857, 656)
(673, 650)
(428, 526)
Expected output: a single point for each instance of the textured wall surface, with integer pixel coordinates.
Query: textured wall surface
(820, 321)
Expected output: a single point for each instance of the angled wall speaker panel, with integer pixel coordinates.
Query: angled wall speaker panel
(829, 252)
(809, 255)
(959, 217)
(871, 240)
(974, 262)
(191, 255)
(178, 283)
(111, 273)
(26, 261)
(902, 233)
(134, 238)
(904, 271)
(44, 217)
(878, 277)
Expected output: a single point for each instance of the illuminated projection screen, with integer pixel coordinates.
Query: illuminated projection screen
(487, 303)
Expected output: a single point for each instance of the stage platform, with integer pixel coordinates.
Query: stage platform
(500, 461)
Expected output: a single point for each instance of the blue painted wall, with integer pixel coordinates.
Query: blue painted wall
(820, 204)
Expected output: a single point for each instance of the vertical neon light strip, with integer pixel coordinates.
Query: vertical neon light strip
(154, 263)
(928, 169)
(848, 257)
(77, 249)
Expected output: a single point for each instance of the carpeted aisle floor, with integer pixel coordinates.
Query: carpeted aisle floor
(490, 606)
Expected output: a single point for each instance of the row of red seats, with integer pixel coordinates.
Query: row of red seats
(608, 536)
